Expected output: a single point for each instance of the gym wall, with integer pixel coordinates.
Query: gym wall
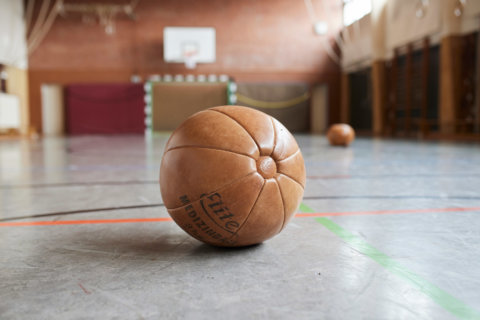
(257, 41)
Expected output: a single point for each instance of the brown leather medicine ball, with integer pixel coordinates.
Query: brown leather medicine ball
(340, 134)
(232, 176)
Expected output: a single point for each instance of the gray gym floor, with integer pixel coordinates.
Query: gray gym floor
(388, 229)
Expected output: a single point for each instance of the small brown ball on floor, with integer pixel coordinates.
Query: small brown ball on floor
(340, 134)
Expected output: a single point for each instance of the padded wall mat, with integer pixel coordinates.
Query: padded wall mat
(173, 102)
(105, 108)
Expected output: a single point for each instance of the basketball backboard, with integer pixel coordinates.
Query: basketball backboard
(189, 45)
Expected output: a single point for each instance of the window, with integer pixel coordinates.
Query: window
(354, 10)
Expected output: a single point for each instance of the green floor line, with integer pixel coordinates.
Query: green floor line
(442, 298)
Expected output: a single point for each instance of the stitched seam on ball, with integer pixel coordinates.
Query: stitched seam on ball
(291, 178)
(287, 176)
(275, 142)
(183, 124)
(210, 148)
(249, 134)
(290, 156)
(251, 209)
(216, 190)
(283, 204)
(274, 136)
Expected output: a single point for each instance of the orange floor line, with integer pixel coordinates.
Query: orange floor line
(298, 215)
(66, 222)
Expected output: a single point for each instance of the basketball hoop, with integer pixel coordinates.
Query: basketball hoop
(190, 61)
(190, 52)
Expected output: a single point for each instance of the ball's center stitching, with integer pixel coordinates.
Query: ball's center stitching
(266, 167)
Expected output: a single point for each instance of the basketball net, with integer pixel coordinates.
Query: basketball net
(190, 58)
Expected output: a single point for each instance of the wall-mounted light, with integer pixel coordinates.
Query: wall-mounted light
(459, 7)
(421, 10)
